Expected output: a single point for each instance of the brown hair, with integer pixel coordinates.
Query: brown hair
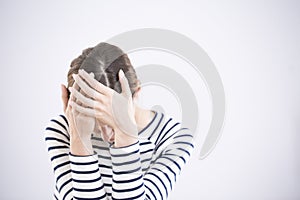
(109, 75)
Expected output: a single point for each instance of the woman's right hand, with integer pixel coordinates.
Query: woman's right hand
(80, 126)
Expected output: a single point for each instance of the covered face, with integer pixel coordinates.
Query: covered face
(106, 132)
(104, 61)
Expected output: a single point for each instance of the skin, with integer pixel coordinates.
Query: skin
(91, 108)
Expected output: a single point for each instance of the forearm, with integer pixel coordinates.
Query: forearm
(57, 141)
(81, 146)
(86, 177)
(127, 173)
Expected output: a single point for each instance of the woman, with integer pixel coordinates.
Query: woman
(105, 146)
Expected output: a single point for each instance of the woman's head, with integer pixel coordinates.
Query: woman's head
(105, 61)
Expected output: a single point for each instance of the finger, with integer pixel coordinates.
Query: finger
(82, 92)
(86, 111)
(90, 92)
(94, 83)
(100, 123)
(124, 83)
(71, 119)
(85, 101)
(92, 75)
(81, 98)
(64, 96)
(76, 87)
(73, 99)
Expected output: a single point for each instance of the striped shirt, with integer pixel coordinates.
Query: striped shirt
(147, 169)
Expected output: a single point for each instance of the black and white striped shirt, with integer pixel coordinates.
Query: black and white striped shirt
(145, 170)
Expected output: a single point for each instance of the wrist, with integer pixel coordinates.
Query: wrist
(124, 139)
(75, 136)
(82, 147)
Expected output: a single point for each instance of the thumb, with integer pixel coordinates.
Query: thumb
(124, 84)
(92, 75)
(64, 96)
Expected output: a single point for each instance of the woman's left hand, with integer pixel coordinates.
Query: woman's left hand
(107, 106)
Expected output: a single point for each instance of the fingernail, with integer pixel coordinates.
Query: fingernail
(121, 73)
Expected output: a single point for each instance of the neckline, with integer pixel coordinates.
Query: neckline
(147, 126)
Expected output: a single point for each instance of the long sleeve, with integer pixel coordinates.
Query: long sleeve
(147, 169)
(58, 145)
(172, 153)
(87, 182)
(127, 173)
(173, 146)
(75, 176)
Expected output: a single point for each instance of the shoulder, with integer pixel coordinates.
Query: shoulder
(57, 125)
(172, 130)
(173, 124)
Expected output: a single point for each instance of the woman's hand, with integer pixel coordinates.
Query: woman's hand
(108, 107)
(80, 126)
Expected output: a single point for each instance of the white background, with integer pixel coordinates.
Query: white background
(255, 46)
